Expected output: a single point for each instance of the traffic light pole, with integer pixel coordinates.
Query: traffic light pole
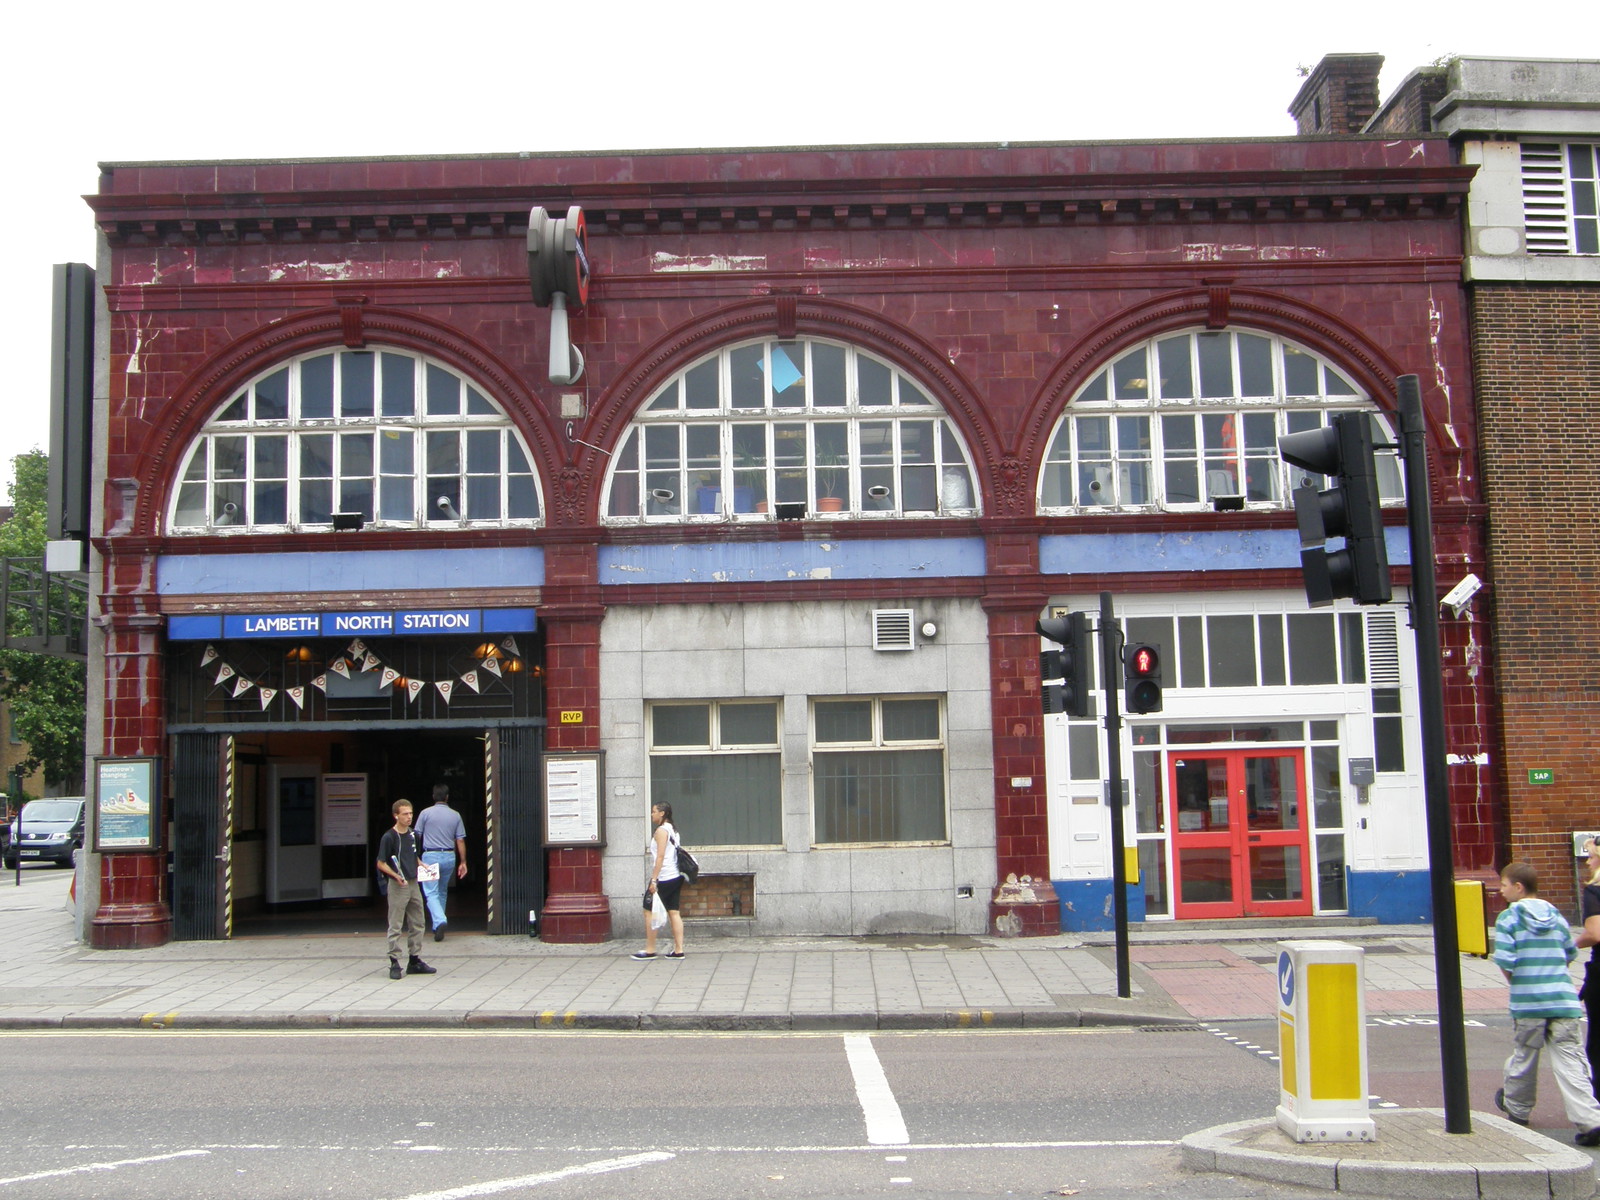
(1110, 676)
(1430, 693)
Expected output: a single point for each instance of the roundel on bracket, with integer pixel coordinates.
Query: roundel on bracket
(558, 257)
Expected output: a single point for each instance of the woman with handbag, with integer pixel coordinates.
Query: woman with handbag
(1589, 935)
(664, 883)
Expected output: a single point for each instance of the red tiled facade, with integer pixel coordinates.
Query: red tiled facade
(1005, 276)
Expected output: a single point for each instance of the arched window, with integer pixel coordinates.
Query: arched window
(1186, 419)
(388, 436)
(772, 429)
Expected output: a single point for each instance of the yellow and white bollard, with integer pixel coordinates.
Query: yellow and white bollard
(1322, 1043)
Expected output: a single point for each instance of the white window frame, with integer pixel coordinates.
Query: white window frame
(718, 747)
(274, 415)
(819, 426)
(1229, 442)
(877, 742)
(1560, 189)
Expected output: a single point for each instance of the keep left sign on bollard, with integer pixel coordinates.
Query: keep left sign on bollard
(1322, 1043)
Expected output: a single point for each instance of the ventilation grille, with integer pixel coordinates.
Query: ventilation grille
(891, 629)
(1544, 199)
(1383, 650)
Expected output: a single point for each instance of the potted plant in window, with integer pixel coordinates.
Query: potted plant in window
(833, 477)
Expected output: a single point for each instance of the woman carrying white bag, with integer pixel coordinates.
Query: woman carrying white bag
(665, 882)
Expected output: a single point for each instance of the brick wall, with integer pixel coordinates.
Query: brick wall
(1537, 355)
(1339, 96)
(719, 896)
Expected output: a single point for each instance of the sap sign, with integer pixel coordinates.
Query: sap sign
(348, 624)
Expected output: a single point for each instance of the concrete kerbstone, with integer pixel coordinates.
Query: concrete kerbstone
(1280, 1168)
(1514, 1182)
(1410, 1180)
(839, 1020)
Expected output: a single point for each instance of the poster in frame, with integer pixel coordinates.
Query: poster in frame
(574, 799)
(127, 805)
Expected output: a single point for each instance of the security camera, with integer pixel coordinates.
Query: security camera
(448, 508)
(1459, 597)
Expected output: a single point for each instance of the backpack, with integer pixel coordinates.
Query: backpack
(687, 866)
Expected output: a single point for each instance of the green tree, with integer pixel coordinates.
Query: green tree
(45, 694)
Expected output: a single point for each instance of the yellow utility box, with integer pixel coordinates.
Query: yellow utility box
(1472, 922)
(1322, 1043)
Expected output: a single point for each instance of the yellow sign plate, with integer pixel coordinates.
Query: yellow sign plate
(572, 716)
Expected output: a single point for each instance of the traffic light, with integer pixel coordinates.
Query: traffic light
(1141, 679)
(1070, 664)
(1342, 451)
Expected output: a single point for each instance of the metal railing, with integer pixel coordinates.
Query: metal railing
(44, 613)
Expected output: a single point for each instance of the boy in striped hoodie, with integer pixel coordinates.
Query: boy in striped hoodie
(1533, 946)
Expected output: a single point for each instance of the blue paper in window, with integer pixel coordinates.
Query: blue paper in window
(784, 373)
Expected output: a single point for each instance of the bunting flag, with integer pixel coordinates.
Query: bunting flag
(367, 660)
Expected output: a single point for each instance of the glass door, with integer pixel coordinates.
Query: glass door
(1239, 834)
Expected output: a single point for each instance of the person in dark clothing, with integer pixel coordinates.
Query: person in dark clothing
(397, 859)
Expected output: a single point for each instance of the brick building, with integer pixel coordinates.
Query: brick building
(848, 422)
(1532, 130)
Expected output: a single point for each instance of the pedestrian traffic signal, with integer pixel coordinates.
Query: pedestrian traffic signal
(1141, 679)
(1070, 664)
(1343, 452)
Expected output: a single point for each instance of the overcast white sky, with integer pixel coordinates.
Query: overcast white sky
(90, 82)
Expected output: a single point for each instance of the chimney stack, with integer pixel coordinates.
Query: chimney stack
(1339, 96)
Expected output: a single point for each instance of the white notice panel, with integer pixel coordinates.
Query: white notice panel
(344, 810)
(573, 812)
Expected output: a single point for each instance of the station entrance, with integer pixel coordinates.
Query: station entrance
(281, 789)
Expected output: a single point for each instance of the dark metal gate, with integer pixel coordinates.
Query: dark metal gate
(514, 772)
(199, 910)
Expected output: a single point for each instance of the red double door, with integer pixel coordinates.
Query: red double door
(1239, 839)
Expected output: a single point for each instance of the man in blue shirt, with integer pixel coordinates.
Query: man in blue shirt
(444, 845)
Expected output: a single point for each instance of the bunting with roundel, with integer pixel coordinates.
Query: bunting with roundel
(359, 657)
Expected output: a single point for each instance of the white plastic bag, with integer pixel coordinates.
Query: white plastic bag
(658, 911)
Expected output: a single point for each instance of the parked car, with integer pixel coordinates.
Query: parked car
(50, 830)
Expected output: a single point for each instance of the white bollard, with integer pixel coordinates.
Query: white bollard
(1322, 1043)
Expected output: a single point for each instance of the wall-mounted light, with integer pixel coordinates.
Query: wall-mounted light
(514, 666)
(346, 521)
(298, 654)
(930, 630)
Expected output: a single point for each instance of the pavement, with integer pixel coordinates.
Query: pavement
(1181, 976)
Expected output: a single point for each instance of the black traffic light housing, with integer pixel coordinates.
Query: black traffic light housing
(1070, 664)
(1141, 679)
(1342, 451)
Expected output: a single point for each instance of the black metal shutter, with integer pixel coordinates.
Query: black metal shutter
(516, 806)
(197, 901)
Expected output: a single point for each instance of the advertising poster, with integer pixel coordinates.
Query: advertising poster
(125, 803)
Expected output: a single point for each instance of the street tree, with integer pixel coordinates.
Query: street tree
(45, 694)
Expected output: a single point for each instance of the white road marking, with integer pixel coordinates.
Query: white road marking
(105, 1166)
(885, 1125)
(603, 1167)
